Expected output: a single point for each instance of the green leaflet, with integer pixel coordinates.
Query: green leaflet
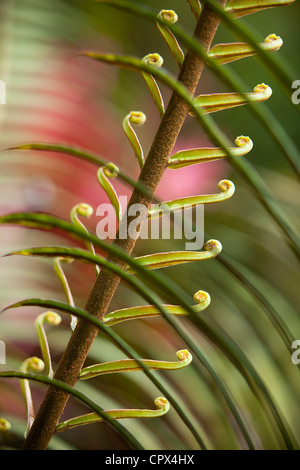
(138, 118)
(156, 61)
(162, 260)
(82, 210)
(64, 283)
(32, 364)
(190, 157)
(110, 171)
(245, 7)
(130, 365)
(161, 404)
(169, 16)
(51, 318)
(219, 101)
(226, 188)
(224, 53)
(147, 311)
(195, 7)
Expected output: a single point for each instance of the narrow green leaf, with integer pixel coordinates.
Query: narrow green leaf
(32, 364)
(245, 7)
(192, 156)
(138, 118)
(147, 311)
(130, 365)
(226, 188)
(162, 407)
(51, 318)
(225, 53)
(155, 60)
(110, 171)
(170, 17)
(162, 260)
(219, 101)
(65, 285)
(195, 7)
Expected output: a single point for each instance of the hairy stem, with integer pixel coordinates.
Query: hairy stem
(107, 282)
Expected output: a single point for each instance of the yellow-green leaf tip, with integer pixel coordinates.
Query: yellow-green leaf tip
(201, 296)
(183, 355)
(137, 117)
(154, 59)
(213, 246)
(84, 210)
(111, 170)
(168, 15)
(4, 425)
(34, 364)
(52, 318)
(162, 403)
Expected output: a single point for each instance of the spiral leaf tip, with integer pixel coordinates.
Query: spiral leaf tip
(201, 296)
(4, 425)
(170, 16)
(34, 364)
(137, 117)
(154, 59)
(52, 318)
(183, 355)
(162, 403)
(213, 246)
(83, 209)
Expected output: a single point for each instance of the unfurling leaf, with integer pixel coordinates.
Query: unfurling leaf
(4, 425)
(161, 404)
(220, 101)
(51, 318)
(155, 60)
(162, 260)
(79, 210)
(169, 16)
(65, 285)
(226, 188)
(245, 7)
(137, 118)
(224, 53)
(130, 365)
(192, 156)
(104, 173)
(32, 364)
(148, 311)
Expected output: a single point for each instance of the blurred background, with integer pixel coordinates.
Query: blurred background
(54, 95)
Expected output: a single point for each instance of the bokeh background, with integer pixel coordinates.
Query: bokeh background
(54, 95)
